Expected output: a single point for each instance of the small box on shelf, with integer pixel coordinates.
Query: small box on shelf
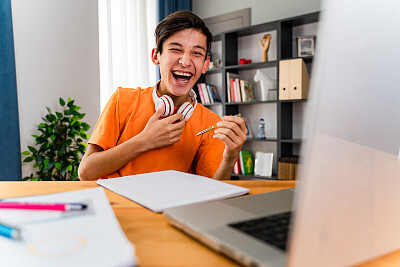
(287, 168)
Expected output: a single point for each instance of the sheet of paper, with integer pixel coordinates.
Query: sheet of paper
(166, 189)
(92, 237)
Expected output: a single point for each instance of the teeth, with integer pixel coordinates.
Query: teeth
(182, 73)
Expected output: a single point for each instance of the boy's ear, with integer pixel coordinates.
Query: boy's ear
(154, 57)
(205, 66)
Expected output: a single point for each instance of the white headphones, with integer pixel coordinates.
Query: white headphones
(186, 109)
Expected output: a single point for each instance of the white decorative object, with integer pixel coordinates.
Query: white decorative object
(263, 164)
(266, 84)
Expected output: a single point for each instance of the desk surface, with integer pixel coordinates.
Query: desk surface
(157, 242)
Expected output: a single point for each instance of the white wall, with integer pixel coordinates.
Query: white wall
(56, 55)
(261, 10)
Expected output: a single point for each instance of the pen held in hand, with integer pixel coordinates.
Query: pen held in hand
(213, 127)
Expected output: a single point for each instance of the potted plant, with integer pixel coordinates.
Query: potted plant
(60, 144)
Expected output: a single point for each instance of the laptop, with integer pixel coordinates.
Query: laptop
(346, 207)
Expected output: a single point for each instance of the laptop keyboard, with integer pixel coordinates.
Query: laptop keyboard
(271, 229)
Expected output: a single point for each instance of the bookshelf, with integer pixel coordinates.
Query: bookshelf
(283, 117)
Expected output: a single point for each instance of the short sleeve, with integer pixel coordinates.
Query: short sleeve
(107, 130)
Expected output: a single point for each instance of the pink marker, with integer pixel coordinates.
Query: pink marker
(42, 206)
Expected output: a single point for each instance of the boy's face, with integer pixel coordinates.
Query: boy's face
(181, 63)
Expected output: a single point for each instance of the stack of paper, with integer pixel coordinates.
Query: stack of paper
(158, 191)
(91, 237)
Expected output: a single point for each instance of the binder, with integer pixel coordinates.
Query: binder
(284, 78)
(294, 80)
(299, 79)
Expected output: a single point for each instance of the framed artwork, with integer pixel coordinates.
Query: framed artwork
(305, 46)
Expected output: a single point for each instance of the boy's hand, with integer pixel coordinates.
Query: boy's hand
(162, 132)
(232, 131)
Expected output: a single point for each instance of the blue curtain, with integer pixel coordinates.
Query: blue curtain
(10, 157)
(166, 7)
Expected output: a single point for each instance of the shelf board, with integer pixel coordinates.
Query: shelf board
(252, 176)
(261, 140)
(301, 20)
(255, 29)
(212, 104)
(294, 100)
(257, 65)
(250, 103)
(293, 141)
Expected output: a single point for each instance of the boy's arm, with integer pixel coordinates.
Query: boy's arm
(232, 131)
(97, 163)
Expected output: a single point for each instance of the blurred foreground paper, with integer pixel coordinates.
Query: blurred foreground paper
(92, 237)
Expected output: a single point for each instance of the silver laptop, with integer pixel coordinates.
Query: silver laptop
(347, 202)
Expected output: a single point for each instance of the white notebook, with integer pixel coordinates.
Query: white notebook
(158, 191)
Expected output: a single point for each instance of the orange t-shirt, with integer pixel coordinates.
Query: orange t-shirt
(127, 113)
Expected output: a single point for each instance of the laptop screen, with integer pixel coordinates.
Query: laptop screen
(347, 207)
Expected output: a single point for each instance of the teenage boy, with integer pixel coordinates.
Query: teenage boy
(153, 129)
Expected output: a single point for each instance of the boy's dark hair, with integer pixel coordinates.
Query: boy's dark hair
(178, 21)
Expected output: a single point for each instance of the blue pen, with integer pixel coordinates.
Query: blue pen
(10, 231)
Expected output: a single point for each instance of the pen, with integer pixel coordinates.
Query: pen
(213, 127)
(42, 206)
(10, 231)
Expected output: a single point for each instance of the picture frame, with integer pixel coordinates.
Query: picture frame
(305, 46)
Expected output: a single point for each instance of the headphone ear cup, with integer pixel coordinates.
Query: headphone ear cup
(168, 105)
(186, 110)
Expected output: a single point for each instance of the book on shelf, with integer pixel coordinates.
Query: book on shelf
(246, 89)
(246, 162)
(263, 163)
(205, 93)
(214, 94)
(208, 93)
(238, 95)
(230, 79)
(237, 168)
(200, 90)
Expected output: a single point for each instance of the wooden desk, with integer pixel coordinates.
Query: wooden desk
(157, 242)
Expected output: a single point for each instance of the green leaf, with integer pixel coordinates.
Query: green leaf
(35, 136)
(62, 102)
(28, 159)
(26, 153)
(77, 107)
(69, 167)
(32, 149)
(48, 109)
(42, 125)
(58, 165)
(69, 99)
(59, 115)
(63, 172)
(52, 137)
(85, 126)
(46, 163)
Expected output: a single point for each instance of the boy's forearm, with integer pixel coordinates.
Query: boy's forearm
(224, 171)
(101, 163)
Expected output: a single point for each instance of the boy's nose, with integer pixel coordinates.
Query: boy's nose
(185, 60)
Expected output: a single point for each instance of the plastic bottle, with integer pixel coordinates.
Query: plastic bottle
(261, 129)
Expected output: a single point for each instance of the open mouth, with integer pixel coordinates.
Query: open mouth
(182, 76)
